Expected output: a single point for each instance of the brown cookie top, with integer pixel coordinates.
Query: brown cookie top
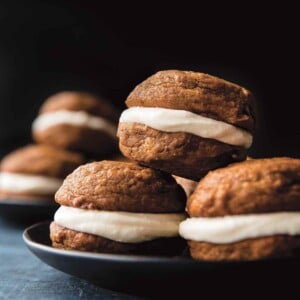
(41, 160)
(200, 93)
(121, 186)
(252, 186)
(80, 101)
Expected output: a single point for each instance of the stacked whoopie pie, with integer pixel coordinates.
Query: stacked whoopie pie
(122, 207)
(35, 172)
(247, 211)
(119, 207)
(77, 121)
(190, 125)
(187, 123)
(68, 121)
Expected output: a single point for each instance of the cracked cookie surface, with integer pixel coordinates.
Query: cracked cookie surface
(121, 186)
(200, 93)
(253, 186)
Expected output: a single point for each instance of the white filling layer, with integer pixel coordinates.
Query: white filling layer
(119, 226)
(20, 183)
(75, 118)
(230, 229)
(172, 120)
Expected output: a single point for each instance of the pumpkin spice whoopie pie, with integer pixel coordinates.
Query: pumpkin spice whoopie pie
(77, 121)
(247, 211)
(36, 171)
(119, 207)
(187, 123)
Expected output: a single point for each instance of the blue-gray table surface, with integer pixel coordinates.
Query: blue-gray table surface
(23, 276)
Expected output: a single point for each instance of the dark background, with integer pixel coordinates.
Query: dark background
(49, 46)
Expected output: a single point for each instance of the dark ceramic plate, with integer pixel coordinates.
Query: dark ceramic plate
(163, 276)
(27, 209)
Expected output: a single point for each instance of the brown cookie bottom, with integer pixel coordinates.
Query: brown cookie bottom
(179, 153)
(252, 249)
(91, 142)
(25, 196)
(64, 238)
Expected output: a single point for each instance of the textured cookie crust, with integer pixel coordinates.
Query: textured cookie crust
(92, 142)
(200, 93)
(253, 186)
(178, 153)
(41, 160)
(121, 186)
(68, 239)
(80, 101)
(254, 249)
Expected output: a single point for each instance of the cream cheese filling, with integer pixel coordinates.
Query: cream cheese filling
(230, 229)
(75, 118)
(22, 183)
(123, 227)
(173, 120)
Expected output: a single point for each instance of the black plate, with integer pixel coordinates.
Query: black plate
(27, 210)
(163, 276)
